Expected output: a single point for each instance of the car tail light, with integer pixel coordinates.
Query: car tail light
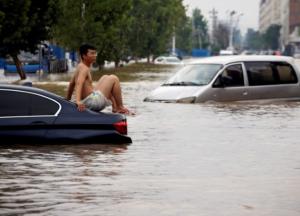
(121, 127)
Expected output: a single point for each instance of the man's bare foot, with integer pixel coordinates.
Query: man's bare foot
(124, 110)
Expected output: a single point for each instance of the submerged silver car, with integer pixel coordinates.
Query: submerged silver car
(232, 78)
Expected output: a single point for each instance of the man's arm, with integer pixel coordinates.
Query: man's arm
(81, 77)
(71, 88)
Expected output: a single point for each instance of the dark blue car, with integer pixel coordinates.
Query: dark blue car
(34, 115)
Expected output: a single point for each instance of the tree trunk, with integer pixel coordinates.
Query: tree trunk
(117, 63)
(19, 67)
(153, 58)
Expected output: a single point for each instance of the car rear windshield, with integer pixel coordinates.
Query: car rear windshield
(197, 74)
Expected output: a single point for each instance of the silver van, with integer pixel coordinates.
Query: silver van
(232, 78)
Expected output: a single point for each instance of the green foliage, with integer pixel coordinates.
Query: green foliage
(253, 40)
(221, 37)
(267, 40)
(2, 15)
(184, 35)
(117, 47)
(153, 24)
(237, 39)
(24, 24)
(200, 35)
(102, 23)
(271, 37)
(119, 28)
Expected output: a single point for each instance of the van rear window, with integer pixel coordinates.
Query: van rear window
(270, 73)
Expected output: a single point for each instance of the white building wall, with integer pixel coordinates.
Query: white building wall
(269, 14)
(285, 13)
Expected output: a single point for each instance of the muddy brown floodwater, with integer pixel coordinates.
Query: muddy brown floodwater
(186, 159)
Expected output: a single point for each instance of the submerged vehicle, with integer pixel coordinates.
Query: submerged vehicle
(232, 78)
(168, 60)
(32, 115)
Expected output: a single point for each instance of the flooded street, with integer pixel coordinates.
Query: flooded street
(186, 159)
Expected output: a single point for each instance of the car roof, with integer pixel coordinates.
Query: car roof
(238, 58)
(29, 89)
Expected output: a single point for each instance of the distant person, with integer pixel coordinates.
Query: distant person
(106, 92)
(277, 53)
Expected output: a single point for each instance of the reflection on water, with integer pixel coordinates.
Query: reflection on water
(186, 159)
(39, 179)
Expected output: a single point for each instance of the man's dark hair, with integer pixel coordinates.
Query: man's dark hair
(84, 48)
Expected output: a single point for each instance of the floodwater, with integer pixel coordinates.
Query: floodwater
(227, 159)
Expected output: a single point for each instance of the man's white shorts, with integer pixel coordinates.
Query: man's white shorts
(96, 101)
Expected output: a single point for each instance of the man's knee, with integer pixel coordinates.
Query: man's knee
(114, 77)
(103, 77)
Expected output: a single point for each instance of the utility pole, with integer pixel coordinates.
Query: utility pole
(196, 32)
(230, 47)
(174, 42)
(233, 23)
(214, 19)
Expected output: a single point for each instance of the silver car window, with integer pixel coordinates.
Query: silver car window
(270, 73)
(286, 73)
(198, 74)
(233, 76)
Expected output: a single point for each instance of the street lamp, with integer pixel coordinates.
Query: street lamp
(231, 30)
(174, 42)
(233, 22)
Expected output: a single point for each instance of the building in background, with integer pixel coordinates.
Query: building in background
(285, 29)
(269, 14)
(294, 23)
(285, 13)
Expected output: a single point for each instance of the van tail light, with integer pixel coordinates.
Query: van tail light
(121, 127)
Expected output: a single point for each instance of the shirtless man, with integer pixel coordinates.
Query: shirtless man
(106, 92)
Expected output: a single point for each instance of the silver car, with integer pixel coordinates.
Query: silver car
(232, 78)
(168, 60)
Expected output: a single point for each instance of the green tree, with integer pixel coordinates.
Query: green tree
(221, 37)
(119, 28)
(117, 43)
(137, 31)
(98, 22)
(237, 39)
(200, 35)
(24, 24)
(154, 22)
(184, 35)
(2, 15)
(271, 37)
(253, 40)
